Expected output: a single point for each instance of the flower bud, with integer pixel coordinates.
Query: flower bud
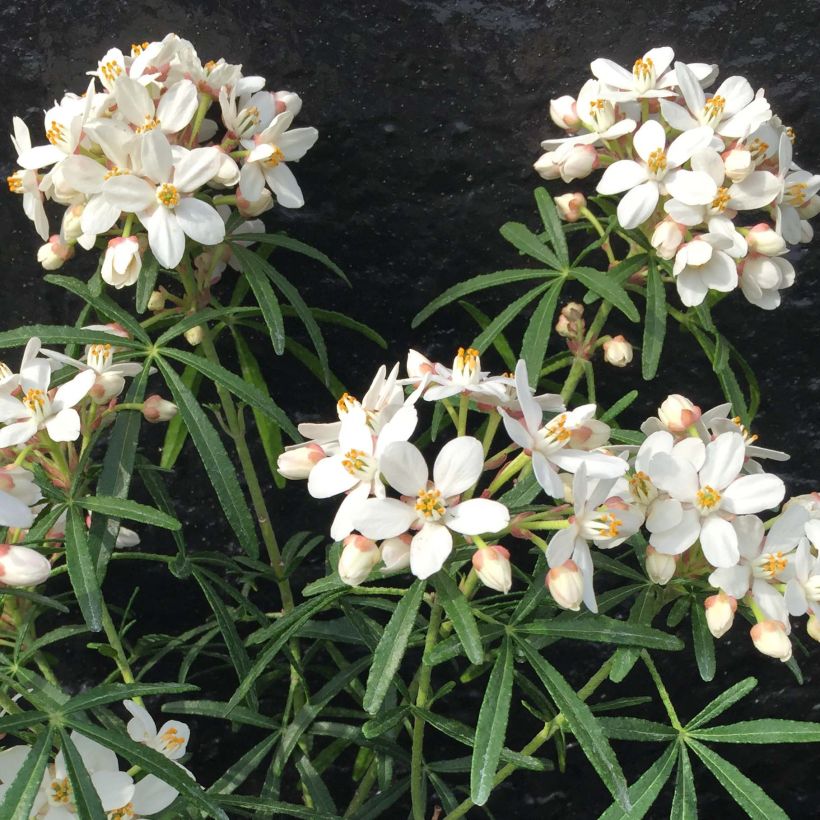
(617, 351)
(156, 409)
(569, 206)
(659, 567)
(122, 263)
(228, 173)
(762, 239)
(258, 206)
(194, 335)
(580, 162)
(54, 253)
(297, 462)
(810, 209)
(418, 365)
(813, 627)
(570, 323)
(396, 553)
(677, 413)
(566, 585)
(564, 112)
(547, 166)
(492, 564)
(22, 567)
(70, 229)
(738, 164)
(720, 613)
(667, 238)
(106, 387)
(770, 638)
(287, 101)
(156, 301)
(359, 556)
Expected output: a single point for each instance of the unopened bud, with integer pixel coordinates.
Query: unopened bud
(194, 335)
(492, 565)
(677, 413)
(70, 228)
(738, 164)
(258, 206)
(296, 463)
(762, 239)
(720, 613)
(22, 567)
(287, 101)
(156, 409)
(667, 238)
(659, 567)
(396, 553)
(617, 351)
(359, 556)
(106, 387)
(566, 585)
(228, 173)
(580, 162)
(156, 301)
(813, 628)
(770, 638)
(54, 253)
(564, 112)
(570, 323)
(569, 206)
(122, 262)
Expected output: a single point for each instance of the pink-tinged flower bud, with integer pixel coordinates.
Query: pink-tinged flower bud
(617, 351)
(810, 209)
(566, 585)
(564, 113)
(194, 335)
(570, 323)
(762, 239)
(22, 567)
(70, 229)
(813, 628)
(580, 162)
(122, 263)
(106, 387)
(228, 173)
(156, 301)
(396, 553)
(258, 206)
(573, 311)
(770, 638)
(492, 564)
(720, 613)
(738, 163)
(677, 413)
(296, 464)
(547, 166)
(54, 253)
(660, 567)
(569, 206)
(590, 435)
(287, 101)
(156, 409)
(418, 365)
(667, 237)
(359, 556)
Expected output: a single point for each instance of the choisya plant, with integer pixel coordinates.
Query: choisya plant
(587, 531)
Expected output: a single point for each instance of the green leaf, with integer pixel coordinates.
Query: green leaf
(522, 493)
(616, 409)
(746, 793)
(315, 786)
(583, 724)
(491, 727)
(391, 648)
(654, 329)
(457, 608)
(42, 600)
(768, 730)
(240, 771)
(703, 642)
(722, 702)
(269, 305)
(602, 629)
(642, 612)
(500, 343)
(685, 801)
(645, 790)
(152, 762)
(200, 317)
(537, 334)
(271, 808)
(333, 317)
(118, 692)
(243, 390)
(176, 433)
(131, 510)
(486, 337)
(553, 225)
(83, 794)
(480, 282)
(218, 710)
(215, 459)
(13, 723)
(147, 279)
(81, 569)
(21, 792)
(721, 361)
(608, 289)
(638, 729)
(59, 335)
(521, 237)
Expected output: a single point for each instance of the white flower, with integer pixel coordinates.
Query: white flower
(395, 552)
(266, 163)
(18, 493)
(704, 264)
(796, 189)
(803, 587)
(27, 183)
(432, 506)
(549, 444)
(467, 378)
(569, 161)
(564, 113)
(715, 421)
(658, 172)
(733, 110)
(704, 483)
(763, 277)
(171, 739)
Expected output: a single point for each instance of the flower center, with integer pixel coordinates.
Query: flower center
(707, 498)
(275, 158)
(124, 813)
(59, 793)
(796, 193)
(170, 740)
(167, 195)
(110, 71)
(357, 463)
(15, 182)
(602, 114)
(55, 133)
(748, 438)
(721, 199)
(99, 356)
(467, 366)
(115, 172)
(611, 525)
(713, 109)
(35, 401)
(149, 125)
(771, 564)
(429, 504)
(138, 48)
(757, 148)
(642, 487)
(657, 161)
(346, 403)
(644, 73)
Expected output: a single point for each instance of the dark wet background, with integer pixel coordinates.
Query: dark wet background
(430, 115)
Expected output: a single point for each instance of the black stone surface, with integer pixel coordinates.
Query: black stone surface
(430, 116)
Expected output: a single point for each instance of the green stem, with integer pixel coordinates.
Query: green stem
(493, 421)
(422, 694)
(577, 369)
(364, 788)
(463, 409)
(116, 644)
(593, 220)
(204, 104)
(667, 702)
(509, 470)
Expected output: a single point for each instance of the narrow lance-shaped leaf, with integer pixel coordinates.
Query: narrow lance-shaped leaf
(703, 642)
(527, 242)
(131, 510)
(20, 794)
(147, 279)
(83, 794)
(457, 608)
(685, 801)
(486, 337)
(608, 289)
(81, 569)
(552, 224)
(766, 730)
(654, 329)
(645, 790)
(269, 305)
(176, 433)
(537, 334)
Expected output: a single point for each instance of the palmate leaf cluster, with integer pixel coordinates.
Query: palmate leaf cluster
(325, 688)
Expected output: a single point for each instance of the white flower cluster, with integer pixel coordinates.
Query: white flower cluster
(121, 797)
(695, 171)
(140, 145)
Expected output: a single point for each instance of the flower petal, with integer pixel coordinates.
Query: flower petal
(129, 193)
(196, 168)
(679, 538)
(384, 518)
(458, 465)
(638, 204)
(648, 138)
(621, 176)
(664, 514)
(476, 516)
(724, 460)
(690, 187)
(404, 467)
(177, 106)
(429, 550)
(719, 541)
(296, 143)
(675, 476)
(114, 788)
(65, 426)
(166, 237)
(753, 494)
(284, 185)
(152, 795)
(200, 221)
(328, 478)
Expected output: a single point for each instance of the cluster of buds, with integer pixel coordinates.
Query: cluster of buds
(571, 325)
(707, 176)
(138, 161)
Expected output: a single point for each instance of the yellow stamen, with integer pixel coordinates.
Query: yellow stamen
(354, 461)
(557, 428)
(797, 193)
(657, 161)
(613, 526)
(757, 148)
(124, 813)
(790, 134)
(168, 195)
(643, 68)
(748, 438)
(15, 182)
(429, 504)
(55, 133)
(60, 792)
(721, 199)
(138, 48)
(115, 172)
(110, 70)
(707, 498)
(34, 399)
(713, 108)
(149, 125)
(346, 403)
(171, 739)
(275, 158)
